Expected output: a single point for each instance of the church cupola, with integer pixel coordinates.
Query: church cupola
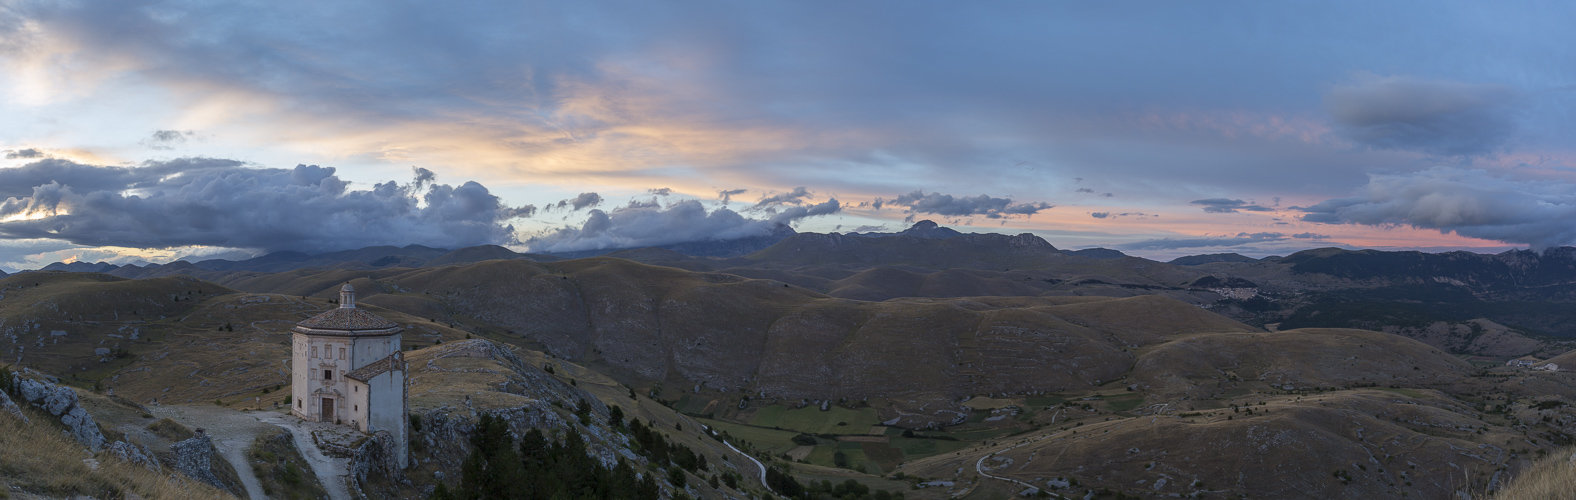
(347, 297)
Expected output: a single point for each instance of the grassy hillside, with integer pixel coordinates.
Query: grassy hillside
(37, 459)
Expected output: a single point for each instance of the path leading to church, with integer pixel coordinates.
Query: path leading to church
(233, 433)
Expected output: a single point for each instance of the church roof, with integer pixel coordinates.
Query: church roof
(348, 320)
(376, 368)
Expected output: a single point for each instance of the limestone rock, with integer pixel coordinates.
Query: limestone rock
(194, 458)
(61, 401)
(135, 454)
(9, 406)
(376, 455)
(82, 428)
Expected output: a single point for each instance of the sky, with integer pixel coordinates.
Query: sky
(142, 131)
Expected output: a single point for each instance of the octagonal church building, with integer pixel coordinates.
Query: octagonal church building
(347, 369)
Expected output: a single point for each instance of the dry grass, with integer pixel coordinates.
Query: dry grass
(1553, 478)
(38, 459)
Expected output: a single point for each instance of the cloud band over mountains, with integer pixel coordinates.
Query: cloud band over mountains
(224, 203)
(1472, 203)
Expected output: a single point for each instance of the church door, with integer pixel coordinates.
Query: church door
(328, 410)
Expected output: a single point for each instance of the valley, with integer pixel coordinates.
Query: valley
(980, 368)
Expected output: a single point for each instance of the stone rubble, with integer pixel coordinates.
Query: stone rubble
(135, 454)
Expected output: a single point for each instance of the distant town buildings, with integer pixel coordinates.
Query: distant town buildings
(347, 369)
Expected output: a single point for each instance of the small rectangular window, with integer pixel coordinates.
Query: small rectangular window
(298, 402)
(341, 353)
(328, 374)
(314, 351)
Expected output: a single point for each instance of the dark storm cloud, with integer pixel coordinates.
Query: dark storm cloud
(1472, 203)
(660, 191)
(20, 154)
(215, 202)
(1438, 117)
(1224, 241)
(640, 225)
(1067, 84)
(1229, 206)
(919, 202)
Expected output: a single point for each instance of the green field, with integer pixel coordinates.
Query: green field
(918, 448)
(1124, 402)
(856, 457)
(814, 421)
(1044, 401)
(769, 440)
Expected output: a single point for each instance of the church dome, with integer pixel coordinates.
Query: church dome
(347, 320)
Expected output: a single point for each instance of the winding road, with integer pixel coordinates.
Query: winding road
(758, 464)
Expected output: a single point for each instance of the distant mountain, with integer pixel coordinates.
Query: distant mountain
(483, 252)
(977, 250)
(1096, 253)
(703, 248)
(1195, 260)
(921, 229)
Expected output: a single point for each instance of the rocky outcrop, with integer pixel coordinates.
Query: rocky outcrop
(135, 454)
(8, 406)
(194, 458)
(377, 455)
(62, 402)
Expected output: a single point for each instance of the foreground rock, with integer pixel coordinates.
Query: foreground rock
(194, 458)
(62, 402)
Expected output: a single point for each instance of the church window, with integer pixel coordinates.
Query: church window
(314, 351)
(341, 353)
(355, 407)
(298, 402)
(328, 374)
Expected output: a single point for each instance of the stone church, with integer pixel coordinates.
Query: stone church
(348, 369)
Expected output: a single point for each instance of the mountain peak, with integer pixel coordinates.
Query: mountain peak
(929, 229)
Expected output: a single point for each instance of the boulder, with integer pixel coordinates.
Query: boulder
(194, 458)
(60, 400)
(135, 454)
(82, 428)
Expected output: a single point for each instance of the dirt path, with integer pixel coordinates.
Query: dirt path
(331, 472)
(234, 431)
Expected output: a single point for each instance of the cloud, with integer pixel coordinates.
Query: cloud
(223, 203)
(423, 177)
(793, 214)
(1472, 203)
(23, 154)
(1112, 215)
(167, 139)
(660, 191)
(870, 229)
(584, 200)
(1433, 116)
(1229, 206)
(1311, 236)
(1225, 241)
(728, 194)
(919, 202)
(794, 197)
(1084, 190)
(643, 226)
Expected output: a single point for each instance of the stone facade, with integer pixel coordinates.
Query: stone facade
(347, 369)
